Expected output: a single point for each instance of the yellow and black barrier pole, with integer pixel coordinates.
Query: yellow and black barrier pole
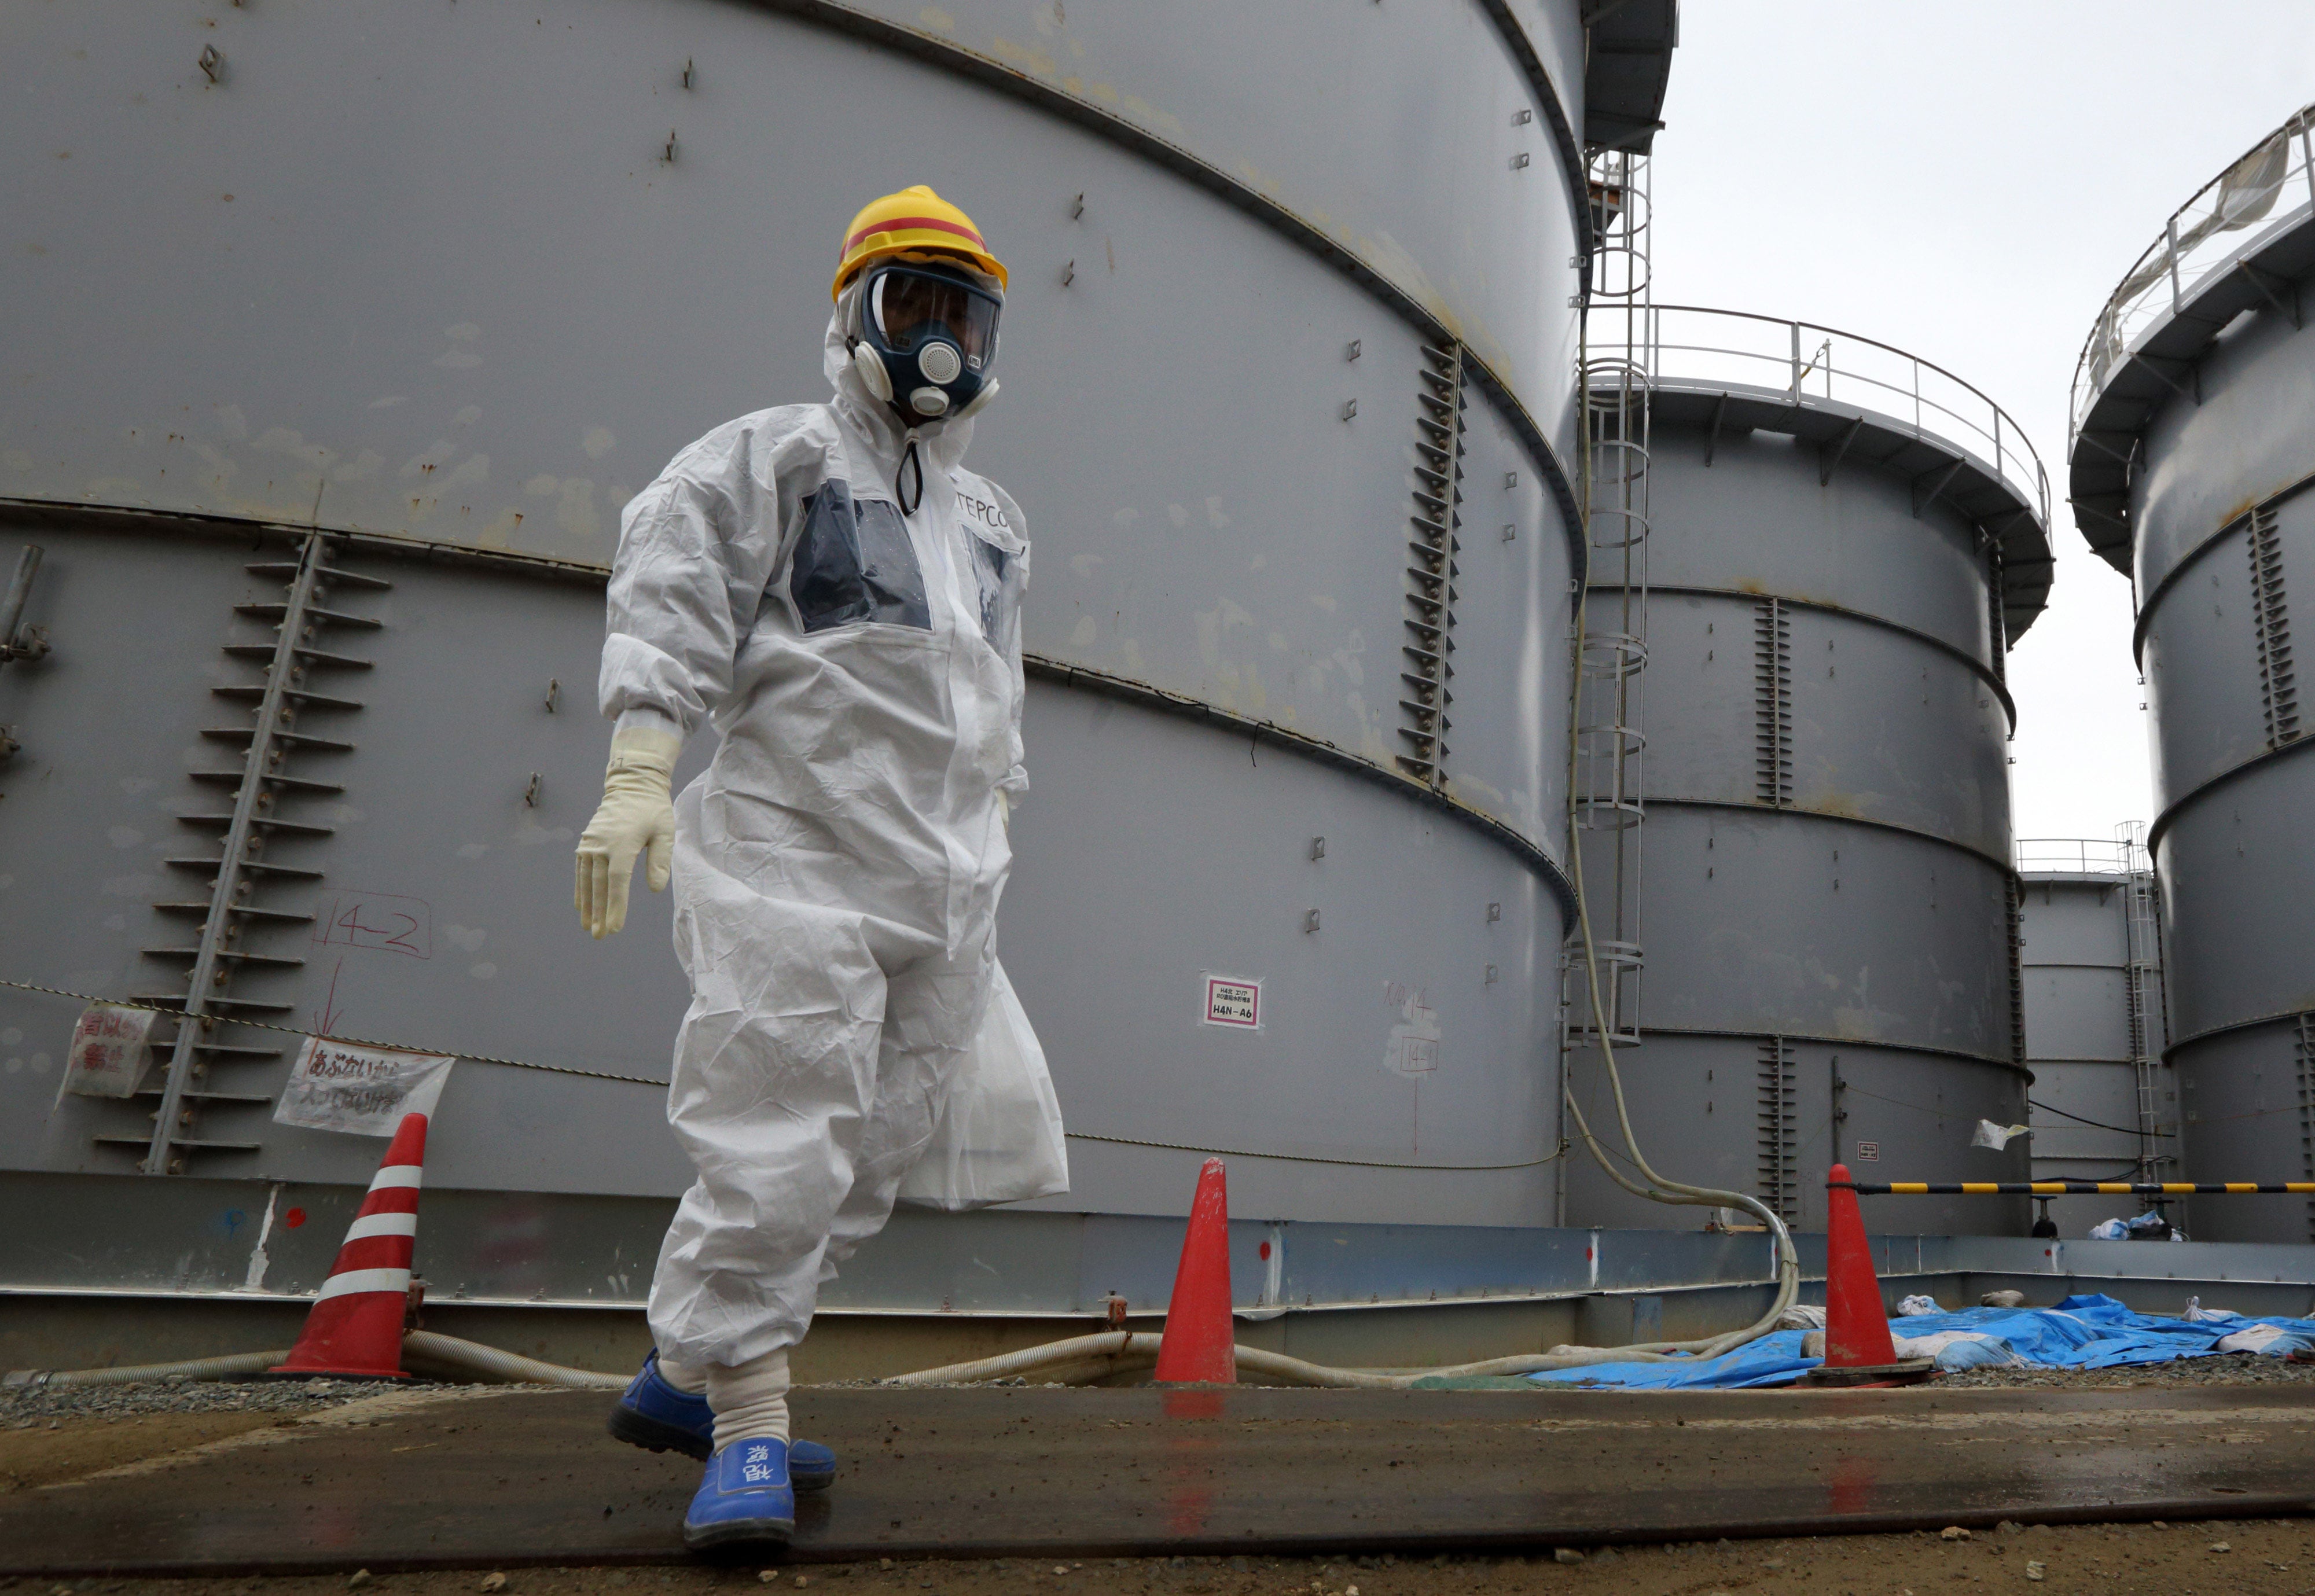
(2072, 1189)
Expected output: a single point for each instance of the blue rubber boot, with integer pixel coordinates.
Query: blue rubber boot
(656, 1416)
(745, 1496)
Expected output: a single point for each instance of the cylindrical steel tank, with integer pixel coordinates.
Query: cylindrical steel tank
(2105, 1106)
(1841, 542)
(2194, 439)
(314, 300)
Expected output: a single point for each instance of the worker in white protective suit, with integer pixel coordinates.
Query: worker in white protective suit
(830, 587)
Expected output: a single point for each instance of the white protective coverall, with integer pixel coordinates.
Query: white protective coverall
(837, 865)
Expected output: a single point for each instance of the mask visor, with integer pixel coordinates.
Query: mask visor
(910, 306)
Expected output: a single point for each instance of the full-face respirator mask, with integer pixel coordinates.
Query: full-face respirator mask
(924, 338)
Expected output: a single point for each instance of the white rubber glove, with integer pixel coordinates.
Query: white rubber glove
(637, 817)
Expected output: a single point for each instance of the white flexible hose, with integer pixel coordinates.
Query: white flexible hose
(423, 1346)
(227, 1368)
(492, 1365)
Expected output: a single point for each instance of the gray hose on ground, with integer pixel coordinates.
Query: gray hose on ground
(1082, 1359)
(1110, 1351)
(496, 1368)
(435, 1352)
(198, 1368)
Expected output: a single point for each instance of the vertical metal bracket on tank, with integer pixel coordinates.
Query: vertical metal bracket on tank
(2302, 1054)
(1997, 602)
(240, 870)
(2141, 927)
(1779, 1134)
(1772, 701)
(2278, 678)
(1430, 569)
(17, 640)
(2014, 896)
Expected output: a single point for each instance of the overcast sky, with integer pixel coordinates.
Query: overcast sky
(1968, 181)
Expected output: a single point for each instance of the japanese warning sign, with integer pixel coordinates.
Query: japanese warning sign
(107, 1057)
(339, 1085)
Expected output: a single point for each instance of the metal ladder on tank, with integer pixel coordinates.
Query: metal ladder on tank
(2142, 946)
(1614, 382)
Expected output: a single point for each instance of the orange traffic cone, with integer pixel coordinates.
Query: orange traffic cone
(1857, 1347)
(354, 1331)
(1199, 1343)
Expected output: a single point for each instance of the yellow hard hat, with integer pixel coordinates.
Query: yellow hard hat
(912, 219)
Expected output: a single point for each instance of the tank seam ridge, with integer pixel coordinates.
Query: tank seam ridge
(1318, 748)
(2271, 1017)
(2008, 871)
(124, 519)
(1315, 749)
(1977, 667)
(2195, 557)
(1738, 1035)
(2265, 756)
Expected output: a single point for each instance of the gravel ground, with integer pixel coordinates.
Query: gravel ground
(2239, 1557)
(29, 1407)
(2227, 1368)
(35, 1407)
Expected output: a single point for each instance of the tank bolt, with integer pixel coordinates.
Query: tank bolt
(1318, 847)
(211, 62)
(1309, 920)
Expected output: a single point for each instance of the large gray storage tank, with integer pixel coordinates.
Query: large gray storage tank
(2105, 1106)
(2193, 441)
(319, 298)
(1843, 541)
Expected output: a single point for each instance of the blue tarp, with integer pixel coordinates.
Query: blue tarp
(2090, 1331)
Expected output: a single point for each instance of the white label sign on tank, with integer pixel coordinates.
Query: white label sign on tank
(1411, 1049)
(108, 1054)
(1234, 1002)
(364, 1091)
